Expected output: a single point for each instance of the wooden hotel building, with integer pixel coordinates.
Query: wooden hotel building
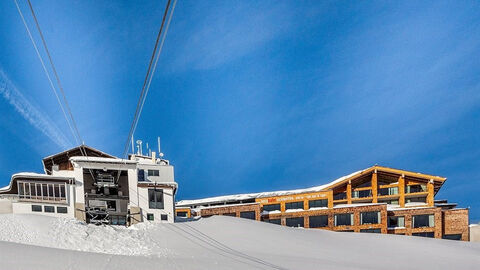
(375, 200)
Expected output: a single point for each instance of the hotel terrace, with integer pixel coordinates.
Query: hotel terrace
(375, 200)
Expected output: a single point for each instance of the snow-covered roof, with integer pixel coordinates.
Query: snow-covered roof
(247, 196)
(102, 160)
(83, 146)
(32, 175)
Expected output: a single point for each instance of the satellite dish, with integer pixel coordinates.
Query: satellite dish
(161, 154)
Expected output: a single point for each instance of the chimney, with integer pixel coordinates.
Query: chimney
(154, 157)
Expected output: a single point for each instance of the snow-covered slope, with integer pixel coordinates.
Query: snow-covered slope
(217, 242)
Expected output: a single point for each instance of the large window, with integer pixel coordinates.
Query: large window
(343, 219)
(371, 230)
(294, 205)
(369, 217)
(153, 173)
(388, 191)
(294, 222)
(395, 222)
(340, 196)
(248, 214)
(416, 188)
(155, 198)
(420, 221)
(49, 209)
(425, 234)
(271, 207)
(55, 192)
(318, 221)
(318, 203)
(36, 208)
(452, 236)
(362, 193)
(181, 214)
(417, 200)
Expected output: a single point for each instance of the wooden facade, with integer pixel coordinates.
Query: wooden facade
(379, 194)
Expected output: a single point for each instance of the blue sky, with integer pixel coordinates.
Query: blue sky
(254, 95)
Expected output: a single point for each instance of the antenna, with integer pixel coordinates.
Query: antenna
(139, 147)
(158, 140)
(148, 150)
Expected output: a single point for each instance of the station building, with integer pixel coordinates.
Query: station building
(95, 187)
(375, 200)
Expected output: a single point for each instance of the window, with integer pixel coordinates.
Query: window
(340, 196)
(36, 208)
(150, 217)
(417, 200)
(248, 214)
(369, 217)
(141, 175)
(155, 198)
(271, 207)
(420, 221)
(163, 217)
(452, 236)
(181, 214)
(61, 210)
(274, 221)
(294, 205)
(388, 191)
(371, 231)
(153, 173)
(41, 191)
(318, 221)
(416, 188)
(343, 219)
(424, 234)
(362, 193)
(49, 209)
(395, 222)
(294, 222)
(118, 220)
(317, 203)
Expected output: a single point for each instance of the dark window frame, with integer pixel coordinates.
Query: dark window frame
(51, 209)
(153, 198)
(320, 221)
(294, 205)
(64, 209)
(318, 203)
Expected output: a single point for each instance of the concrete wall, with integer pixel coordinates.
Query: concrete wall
(5, 206)
(168, 202)
(26, 208)
(475, 233)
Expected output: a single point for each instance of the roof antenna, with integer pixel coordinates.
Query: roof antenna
(139, 147)
(160, 154)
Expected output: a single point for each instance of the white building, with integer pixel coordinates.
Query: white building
(95, 187)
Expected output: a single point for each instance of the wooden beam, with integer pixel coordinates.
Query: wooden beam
(374, 187)
(401, 190)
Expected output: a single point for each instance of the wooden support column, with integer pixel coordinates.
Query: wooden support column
(282, 207)
(401, 190)
(431, 192)
(374, 186)
(349, 192)
(330, 198)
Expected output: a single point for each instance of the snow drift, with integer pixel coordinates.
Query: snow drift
(217, 242)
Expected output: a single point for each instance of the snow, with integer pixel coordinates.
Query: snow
(102, 159)
(218, 242)
(248, 196)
